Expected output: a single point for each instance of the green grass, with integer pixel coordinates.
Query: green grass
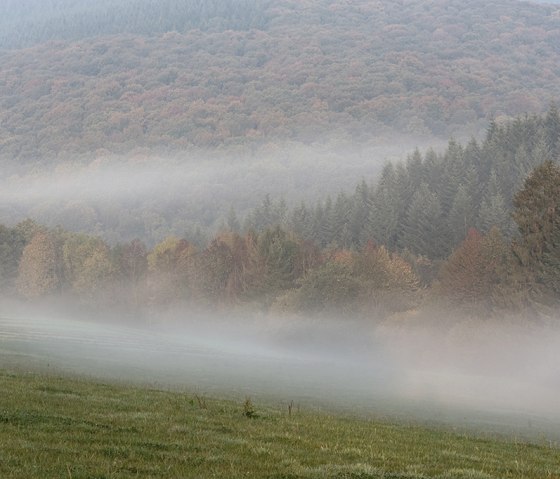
(53, 427)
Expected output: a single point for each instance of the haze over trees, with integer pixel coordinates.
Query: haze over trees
(431, 230)
(85, 83)
(428, 203)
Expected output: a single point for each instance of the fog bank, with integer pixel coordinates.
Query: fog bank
(485, 377)
(150, 197)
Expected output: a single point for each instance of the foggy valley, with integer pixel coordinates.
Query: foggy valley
(255, 238)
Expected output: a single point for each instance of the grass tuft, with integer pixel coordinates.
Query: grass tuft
(249, 409)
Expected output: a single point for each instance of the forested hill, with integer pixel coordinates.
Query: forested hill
(81, 77)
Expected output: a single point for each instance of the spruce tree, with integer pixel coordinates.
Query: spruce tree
(425, 232)
(460, 217)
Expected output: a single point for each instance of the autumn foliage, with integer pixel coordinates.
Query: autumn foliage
(119, 76)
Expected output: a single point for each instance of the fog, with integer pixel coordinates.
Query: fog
(150, 197)
(499, 376)
(470, 375)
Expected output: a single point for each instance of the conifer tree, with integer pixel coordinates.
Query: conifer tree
(493, 209)
(452, 175)
(341, 218)
(327, 230)
(552, 131)
(301, 222)
(360, 212)
(383, 218)
(425, 232)
(460, 218)
(232, 221)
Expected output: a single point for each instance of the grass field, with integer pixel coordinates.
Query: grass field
(56, 427)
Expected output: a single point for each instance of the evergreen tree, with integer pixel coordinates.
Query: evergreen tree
(341, 218)
(425, 232)
(493, 212)
(415, 169)
(493, 209)
(327, 230)
(318, 219)
(383, 218)
(232, 221)
(280, 256)
(522, 165)
(301, 222)
(460, 218)
(552, 132)
(432, 168)
(360, 212)
(452, 175)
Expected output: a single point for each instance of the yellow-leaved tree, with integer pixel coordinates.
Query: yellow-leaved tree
(38, 272)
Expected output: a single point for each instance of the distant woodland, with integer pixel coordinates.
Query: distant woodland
(476, 228)
(84, 79)
(473, 227)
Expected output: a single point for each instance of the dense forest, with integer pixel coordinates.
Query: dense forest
(430, 232)
(132, 89)
(84, 79)
(428, 203)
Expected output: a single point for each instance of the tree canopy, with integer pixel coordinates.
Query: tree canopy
(81, 77)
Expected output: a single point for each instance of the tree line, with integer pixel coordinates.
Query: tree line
(427, 204)
(278, 270)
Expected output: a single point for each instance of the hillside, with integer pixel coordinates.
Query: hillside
(83, 79)
(60, 427)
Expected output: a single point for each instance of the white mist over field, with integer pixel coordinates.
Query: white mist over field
(494, 367)
(487, 375)
(495, 378)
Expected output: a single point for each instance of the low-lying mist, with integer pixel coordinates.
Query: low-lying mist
(149, 197)
(483, 375)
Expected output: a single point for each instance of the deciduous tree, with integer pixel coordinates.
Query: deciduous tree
(38, 273)
(537, 214)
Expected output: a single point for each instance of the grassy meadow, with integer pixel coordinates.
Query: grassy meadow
(56, 427)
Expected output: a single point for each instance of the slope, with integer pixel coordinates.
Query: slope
(118, 78)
